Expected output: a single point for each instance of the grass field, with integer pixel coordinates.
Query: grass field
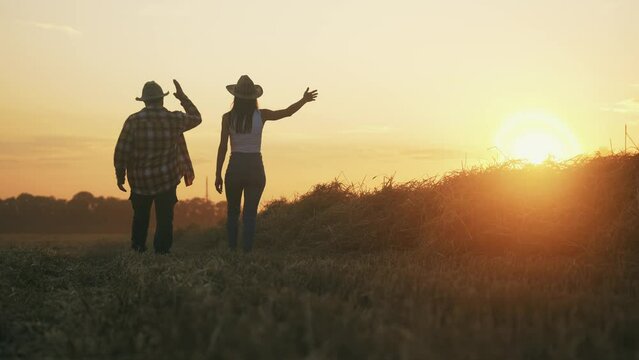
(82, 303)
(338, 274)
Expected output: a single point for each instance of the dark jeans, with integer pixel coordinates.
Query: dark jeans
(164, 203)
(245, 174)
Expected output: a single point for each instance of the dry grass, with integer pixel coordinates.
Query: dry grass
(276, 305)
(583, 205)
(510, 262)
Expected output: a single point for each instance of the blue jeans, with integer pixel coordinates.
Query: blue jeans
(245, 174)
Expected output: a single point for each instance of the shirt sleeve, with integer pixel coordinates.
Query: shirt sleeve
(192, 118)
(123, 149)
(184, 161)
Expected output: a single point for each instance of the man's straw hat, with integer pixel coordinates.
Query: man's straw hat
(151, 91)
(245, 88)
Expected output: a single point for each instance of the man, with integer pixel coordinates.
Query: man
(152, 153)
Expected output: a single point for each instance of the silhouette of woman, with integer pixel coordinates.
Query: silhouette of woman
(245, 172)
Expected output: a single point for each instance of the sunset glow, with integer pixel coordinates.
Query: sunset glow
(337, 179)
(536, 137)
(410, 89)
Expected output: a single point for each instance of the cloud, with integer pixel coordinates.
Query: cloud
(66, 29)
(53, 149)
(628, 106)
(387, 152)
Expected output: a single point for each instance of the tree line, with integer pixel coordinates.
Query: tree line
(85, 213)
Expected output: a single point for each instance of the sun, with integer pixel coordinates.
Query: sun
(535, 137)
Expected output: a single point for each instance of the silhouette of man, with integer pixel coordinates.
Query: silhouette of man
(152, 153)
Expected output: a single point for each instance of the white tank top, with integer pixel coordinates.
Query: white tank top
(249, 142)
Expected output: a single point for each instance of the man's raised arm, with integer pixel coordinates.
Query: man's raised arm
(192, 117)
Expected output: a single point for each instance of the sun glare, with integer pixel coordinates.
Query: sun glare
(535, 137)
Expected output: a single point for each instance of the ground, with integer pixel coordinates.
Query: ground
(88, 296)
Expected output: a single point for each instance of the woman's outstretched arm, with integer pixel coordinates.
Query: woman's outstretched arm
(221, 153)
(279, 114)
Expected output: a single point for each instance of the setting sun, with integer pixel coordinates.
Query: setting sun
(535, 137)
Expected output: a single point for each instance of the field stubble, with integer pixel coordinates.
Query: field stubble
(272, 305)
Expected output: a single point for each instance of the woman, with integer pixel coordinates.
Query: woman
(245, 172)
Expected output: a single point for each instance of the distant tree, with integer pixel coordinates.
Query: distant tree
(85, 213)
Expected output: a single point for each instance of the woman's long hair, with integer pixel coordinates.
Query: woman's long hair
(241, 115)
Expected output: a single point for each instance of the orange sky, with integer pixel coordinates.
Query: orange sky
(407, 88)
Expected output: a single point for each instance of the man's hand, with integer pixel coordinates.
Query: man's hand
(121, 187)
(309, 96)
(179, 93)
(218, 184)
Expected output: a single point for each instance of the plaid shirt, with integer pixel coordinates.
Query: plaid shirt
(151, 149)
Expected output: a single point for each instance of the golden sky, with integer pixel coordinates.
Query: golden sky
(407, 88)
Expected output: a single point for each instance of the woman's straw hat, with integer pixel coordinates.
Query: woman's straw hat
(151, 91)
(245, 88)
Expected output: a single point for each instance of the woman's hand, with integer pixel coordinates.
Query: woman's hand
(218, 184)
(289, 111)
(309, 96)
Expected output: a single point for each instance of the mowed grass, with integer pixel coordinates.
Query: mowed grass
(61, 301)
